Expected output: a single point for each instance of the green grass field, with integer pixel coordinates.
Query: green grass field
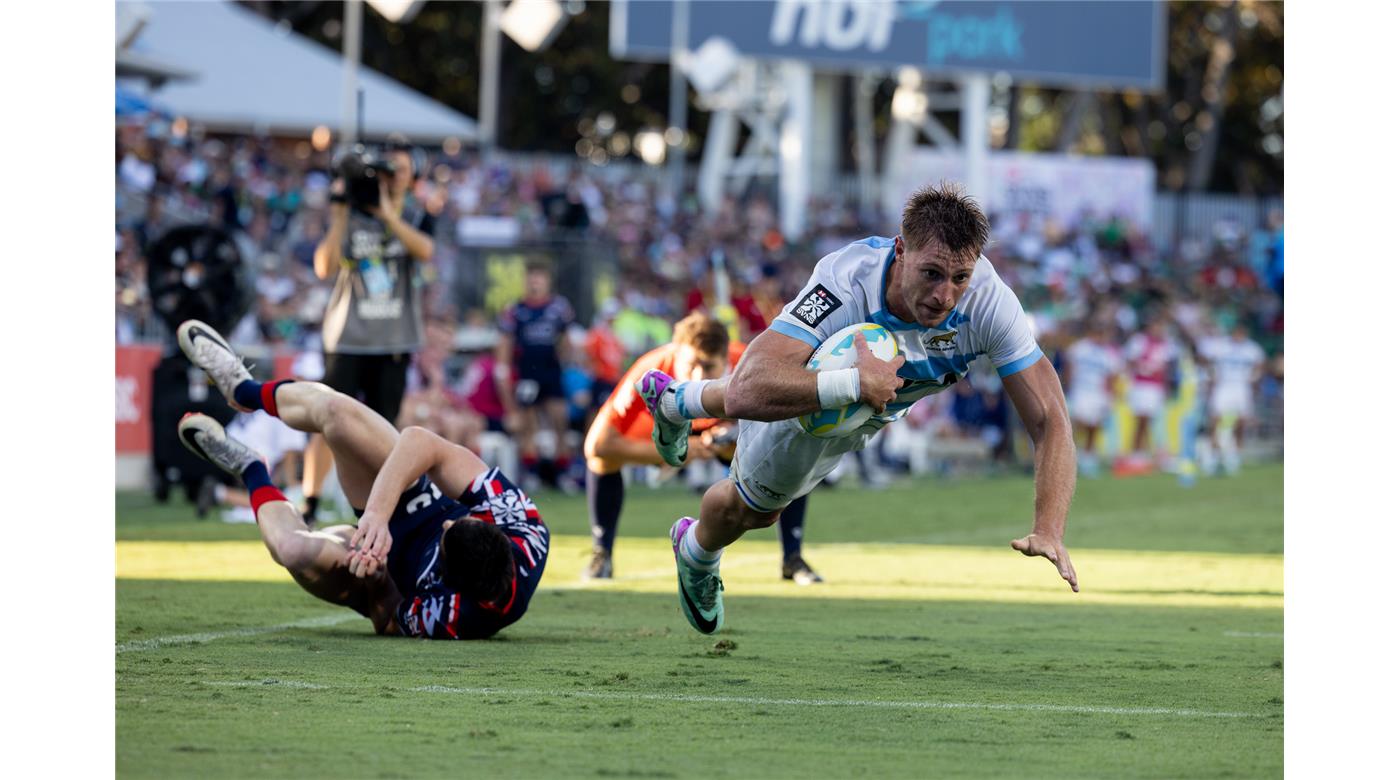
(933, 650)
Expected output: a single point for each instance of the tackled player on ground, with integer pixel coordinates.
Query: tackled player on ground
(419, 563)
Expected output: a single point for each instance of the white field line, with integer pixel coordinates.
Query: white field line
(156, 643)
(1254, 634)
(683, 698)
(266, 684)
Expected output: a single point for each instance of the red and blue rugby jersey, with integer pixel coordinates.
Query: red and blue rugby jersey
(432, 610)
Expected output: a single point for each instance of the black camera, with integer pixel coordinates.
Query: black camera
(363, 170)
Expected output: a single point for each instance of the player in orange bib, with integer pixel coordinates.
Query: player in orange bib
(700, 348)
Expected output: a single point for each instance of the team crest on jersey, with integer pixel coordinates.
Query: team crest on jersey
(817, 306)
(940, 342)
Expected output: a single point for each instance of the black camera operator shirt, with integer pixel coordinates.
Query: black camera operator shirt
(376, 307)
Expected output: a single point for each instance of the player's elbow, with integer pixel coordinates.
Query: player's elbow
(426, 249)
(1051, 426)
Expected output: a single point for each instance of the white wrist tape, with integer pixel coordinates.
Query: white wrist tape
(839, 388)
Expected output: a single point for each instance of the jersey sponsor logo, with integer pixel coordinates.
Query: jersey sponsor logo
(817, 306)
(940, 342)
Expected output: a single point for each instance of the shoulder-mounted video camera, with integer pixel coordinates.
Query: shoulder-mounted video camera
(363, 170)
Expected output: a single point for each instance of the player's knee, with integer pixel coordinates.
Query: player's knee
(753, 519)
(723, 499)
(602, 466)
(341, 409)
(293, 553)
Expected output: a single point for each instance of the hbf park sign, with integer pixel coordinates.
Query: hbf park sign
(1075, 43)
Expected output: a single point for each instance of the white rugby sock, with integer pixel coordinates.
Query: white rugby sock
(669, 407)
(687, 402)
(695, 556)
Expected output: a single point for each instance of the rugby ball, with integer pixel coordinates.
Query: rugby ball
(836, 353)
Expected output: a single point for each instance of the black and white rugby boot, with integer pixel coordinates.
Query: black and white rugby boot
(207, 349)
(601, 565)
(799, 571)
(205, 437)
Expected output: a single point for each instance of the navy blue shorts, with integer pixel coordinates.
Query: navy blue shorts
(538, 384)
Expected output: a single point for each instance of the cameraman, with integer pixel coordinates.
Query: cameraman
(374, 321)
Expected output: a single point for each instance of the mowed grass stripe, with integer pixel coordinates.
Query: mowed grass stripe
(853, 571)
(761, 701)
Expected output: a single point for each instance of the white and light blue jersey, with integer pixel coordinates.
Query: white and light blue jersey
(1232, 363)
(1093, 366)
(848, 287)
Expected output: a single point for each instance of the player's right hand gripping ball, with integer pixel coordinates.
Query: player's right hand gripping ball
(840, 352)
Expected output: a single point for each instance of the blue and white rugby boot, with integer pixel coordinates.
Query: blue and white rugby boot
(702, 592)
(672, 440)
(207, 349)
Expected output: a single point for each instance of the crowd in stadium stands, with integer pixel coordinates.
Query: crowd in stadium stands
(272, 197)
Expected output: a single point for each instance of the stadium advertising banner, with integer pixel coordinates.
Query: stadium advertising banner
(134, 366)
(1111, 43)
(1053, 185)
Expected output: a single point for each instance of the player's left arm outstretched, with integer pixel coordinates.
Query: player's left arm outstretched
(1039, 400)
(418, 451)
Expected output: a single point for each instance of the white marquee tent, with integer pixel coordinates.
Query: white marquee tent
(249, 74)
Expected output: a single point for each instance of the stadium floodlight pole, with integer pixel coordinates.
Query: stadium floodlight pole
(490, 75)
(976, 95)
(680, 32)
(349, 82)
(795, 149)
(865, 141)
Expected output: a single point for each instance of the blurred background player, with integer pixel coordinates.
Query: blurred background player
(606, 354)
(621, 435)
(374, 320)
(1150, 355)
(1092, 365)
(430, 402)
(533, 335)
(1235, 364)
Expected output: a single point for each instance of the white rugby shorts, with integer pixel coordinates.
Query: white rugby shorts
(777, 462)
(1089, 408)
(1227, 400)
(1146, 399)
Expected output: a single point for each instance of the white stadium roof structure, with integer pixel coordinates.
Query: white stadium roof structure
(250, 75)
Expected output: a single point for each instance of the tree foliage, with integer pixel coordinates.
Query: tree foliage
(1221, 111)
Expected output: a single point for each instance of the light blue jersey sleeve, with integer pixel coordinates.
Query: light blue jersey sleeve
(827, 303)
(1005, 331)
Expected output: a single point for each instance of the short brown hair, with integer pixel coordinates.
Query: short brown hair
(944, 214)
(703, 332)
